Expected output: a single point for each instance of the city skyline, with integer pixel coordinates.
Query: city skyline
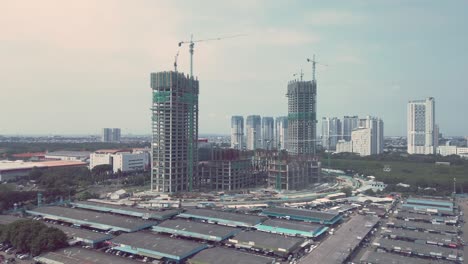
(101, 53)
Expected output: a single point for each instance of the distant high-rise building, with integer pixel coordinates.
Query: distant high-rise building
(302, 117)
(268, 124)
(331, 132)
(254, 130)
(175, 131)
(348, 125)
(237, 132)
(281, 132)
(421, 127)
(106, 135)
(367, 139)
(116, 135)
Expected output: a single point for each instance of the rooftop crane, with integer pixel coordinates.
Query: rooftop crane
(192, 42)
(175, 60)
(301, 74)
(314, 62)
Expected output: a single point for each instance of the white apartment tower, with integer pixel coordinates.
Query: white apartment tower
(237, 132)
(348, 125)
(281, 132)
(421, 127)
(253, 131)
(331, 132)
(268, 124)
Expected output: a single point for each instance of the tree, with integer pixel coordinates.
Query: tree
(347, 190)
(369, 192)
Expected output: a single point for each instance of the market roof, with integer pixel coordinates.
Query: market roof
(264, 240)
(196, 227)
(228, 256)
(327, 216)
(78, 255)
(293, 225)
(81, 233)
(222, 215)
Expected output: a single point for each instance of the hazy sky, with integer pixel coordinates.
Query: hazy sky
(73, 67)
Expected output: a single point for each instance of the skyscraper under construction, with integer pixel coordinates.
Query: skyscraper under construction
(175, 131)
(302, 117)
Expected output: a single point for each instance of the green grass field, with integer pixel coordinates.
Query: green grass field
(413, 173)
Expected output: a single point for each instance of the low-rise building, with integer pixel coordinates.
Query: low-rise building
(122, 159)
(68, 155)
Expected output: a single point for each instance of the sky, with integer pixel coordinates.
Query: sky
(74, 67)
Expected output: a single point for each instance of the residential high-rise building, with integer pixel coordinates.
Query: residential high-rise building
(175, 131)
(421, 126)
(361, 139)
(331, 132)
(281, 132)
(268, 124)
(106, 135)
(253, 131)
(237, 132)
(116, 135)
(348, 125)
(367, 139)
(302, 117)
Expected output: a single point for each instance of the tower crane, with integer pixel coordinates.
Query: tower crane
(314, 62)
(192, 42)
(175, 60)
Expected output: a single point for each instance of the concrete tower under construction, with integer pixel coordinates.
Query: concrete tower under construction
(302, 117)
(175, 131)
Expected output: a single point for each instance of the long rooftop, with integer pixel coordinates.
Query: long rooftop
(222, 217)
(196, 229)
(265, 241)
(228, 256)
(78, 255)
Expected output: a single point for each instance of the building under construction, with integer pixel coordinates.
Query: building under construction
(175, 131)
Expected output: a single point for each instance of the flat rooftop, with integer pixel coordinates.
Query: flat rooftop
(410, 234)
(23, 165)
(81, 233)
(196, 227)
(207, 214)
(423, 217)
(293, 225)
(78, 255)
(414, 248)
(264, 240)
(228, 256)
(339, 246)
(325, 216)
(85, 217)
(389, 258)
(105, 207)
(8, 219)
(424, 226)
(67, 153)
(158, 244)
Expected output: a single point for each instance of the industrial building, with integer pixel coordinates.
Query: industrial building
(123, 160)
(13, 170)
(421, 250)
(434, 228)
(126, 210)
(425, 237)
(253, 132)
(423, 136)
(175, 131)
(156, 246)
(327, 218)
(68, 155)
(79, 255)
(192, 229)
(292, 228)
(267, 242)
(443, 207)
(237, 132)
(84, 236)
(302, 117)
(91, 219)
(428, 218)
(222, 218)
(228, 256)
(286, 172)
(340, 246)
(372, 257)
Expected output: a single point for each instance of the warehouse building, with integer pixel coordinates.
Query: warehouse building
(78, 255)
(84, 236)
(372, 257)
(91, 219)
(422, 250)
(268, 243)
(292, 228)
(228, 256)
(222, 218)
(156, 246)
(429, 205)
(197, 230)
(13, 170)
(327, 218)
(68, 155)
(126, 210)
(434, 228)
(428, 218)
(422, 237)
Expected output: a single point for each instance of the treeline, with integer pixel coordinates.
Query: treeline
(32, 236)
(10, 148)
(29, 198)
(453, 159)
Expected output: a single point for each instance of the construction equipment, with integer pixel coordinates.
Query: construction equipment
(314, 62)
(175, 61)
(301, 74)
(192, 42)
